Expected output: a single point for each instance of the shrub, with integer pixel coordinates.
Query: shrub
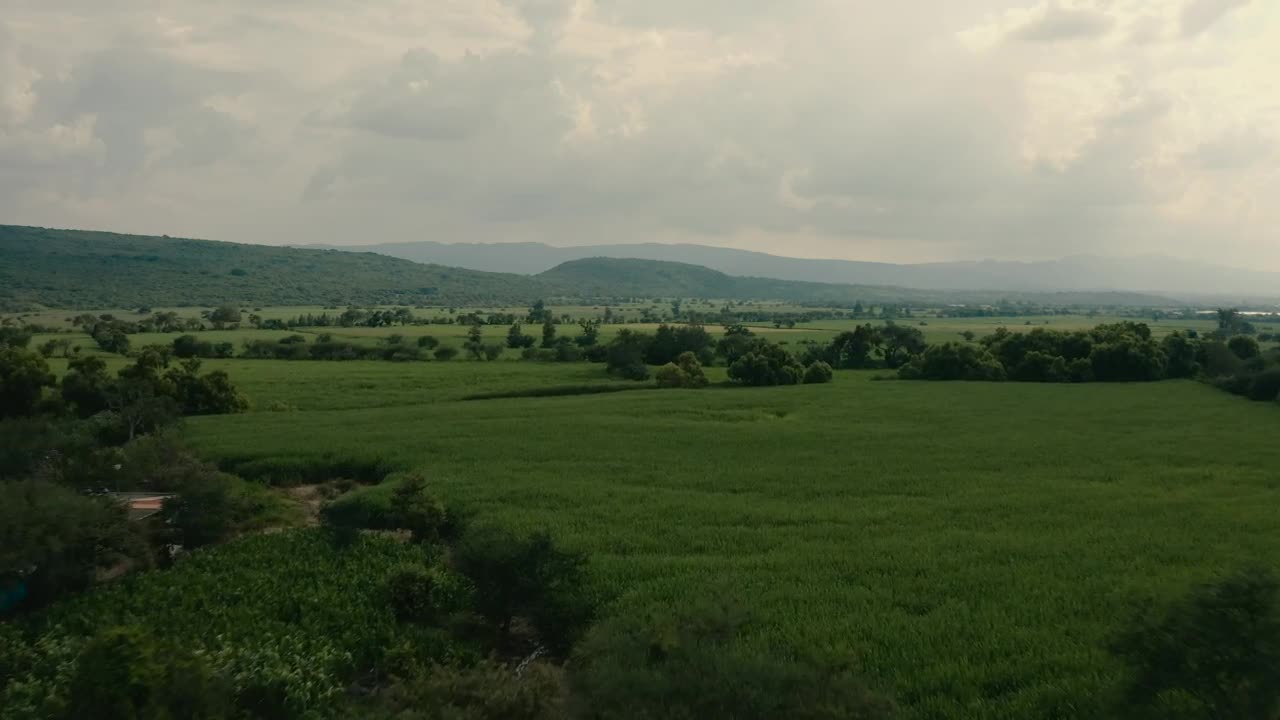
(686, 372)
(1214, 654)
(487, 691)
(1265, 386)
(1244, 347)
(445, 352)
(954, 361)
(689, 666)
(412, 594)
(527, 577)
(428, 342)
(767, 364)
(818, 372)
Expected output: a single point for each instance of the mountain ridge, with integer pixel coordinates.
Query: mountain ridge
(1144, 274)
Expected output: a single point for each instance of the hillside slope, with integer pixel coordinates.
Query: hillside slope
(82, 269)
(1161, 275)
(655, 278)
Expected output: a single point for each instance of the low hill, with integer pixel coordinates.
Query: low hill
(655, 278)
(82, 269)
(1154, 274)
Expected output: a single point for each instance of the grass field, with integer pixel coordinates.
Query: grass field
(972, 545)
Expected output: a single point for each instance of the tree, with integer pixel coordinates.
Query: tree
(516, 339)
(53, 540)
(209, 394)
(692, 664)
(1127, 359)
(685, 372)
(445, 352)
(527, 577)
(123, 673)
(737, 340)
(416, 511)
(548, 331)
(226, 315)
(953, 361)
(624, 356)
(817, 372)
(1244, 347)
(23, 377)
(475, 342)
(590, 333)
(902, 344)
(86, 386)
(766, 364)
(428, 342)
(1213, 654)
(538, 312)
(202, 513)
(968, 335)
(854, 349)
(15, 337)
(1229, 322)
(1180, 352)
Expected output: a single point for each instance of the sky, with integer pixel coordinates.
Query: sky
(907, 131)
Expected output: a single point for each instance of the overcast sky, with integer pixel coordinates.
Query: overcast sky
(905, 131)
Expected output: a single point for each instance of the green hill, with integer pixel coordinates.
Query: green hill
(82, 269)
(657, 278)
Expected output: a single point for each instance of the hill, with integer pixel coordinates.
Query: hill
(81, 269)
(1157, 274)
(600, 277)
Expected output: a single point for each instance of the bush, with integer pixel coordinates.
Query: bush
(954, 361)
(445, 352)
(23, 377)
(428, 342)
(487, 691)
(124, 674)
(767, 364)
(1214, 654)
(530, 578)
(689, 666)
(1244, 347)
(1265, 386)
(686, 372)
(818, 372)
(413, 594)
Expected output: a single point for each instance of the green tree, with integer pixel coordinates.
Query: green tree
(475, 341)
(1180, 352)
(817, 372)
(416, 511)
(953, 361)
(1214, 654)
(901, 344)
(86, 386)
(445, 352)
(692, 665)
(766, 364)
(23, 377)
(685, 372)
(527, 577)
(590, 333)
(1244, 347)
(516, 339)
(224, 316)
(548, 331)
(624, 356)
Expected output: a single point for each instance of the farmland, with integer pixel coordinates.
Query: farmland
(972, 545)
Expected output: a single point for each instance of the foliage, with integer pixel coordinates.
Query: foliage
(516, 339)
(53, 541)
(686, 666)
(486, 691)
(1244, 347)
(954, 361)
(445, 352)
(766, 364)
(817, 372)
(123, 673)
(284, 621)
(528, 577)
(625, 355)
(23, 377)
(1213, 654)
(686, 372)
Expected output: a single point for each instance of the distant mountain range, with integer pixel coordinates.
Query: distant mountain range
(42, 267)
(1153, 274)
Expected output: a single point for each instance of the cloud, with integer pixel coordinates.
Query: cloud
(1053, 22)
(979, 128)
(1199, 15)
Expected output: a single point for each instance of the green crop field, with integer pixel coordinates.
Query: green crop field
(972, 545)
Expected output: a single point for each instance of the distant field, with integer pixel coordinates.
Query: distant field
(971, 544)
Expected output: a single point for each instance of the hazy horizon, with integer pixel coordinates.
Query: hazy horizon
(920, 132)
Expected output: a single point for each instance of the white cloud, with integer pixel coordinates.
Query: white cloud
(885, 131)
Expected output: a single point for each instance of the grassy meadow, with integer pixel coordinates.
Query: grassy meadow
(971, 545)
